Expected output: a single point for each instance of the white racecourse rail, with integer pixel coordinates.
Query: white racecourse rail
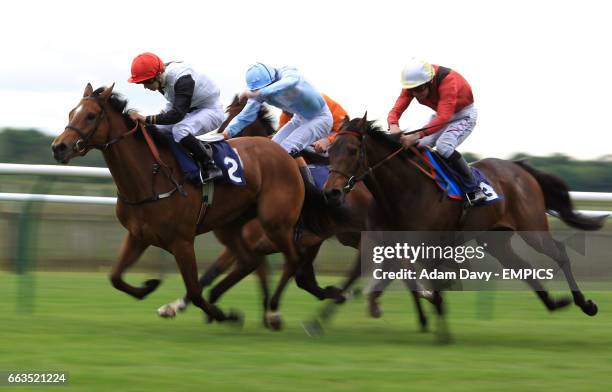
(99, 172)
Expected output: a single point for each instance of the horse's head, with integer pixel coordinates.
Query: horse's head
(262, 126)
(88, 125)
(346, 157)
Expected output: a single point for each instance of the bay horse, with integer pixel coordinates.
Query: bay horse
(359, 202)
(157, 206)
(412, 202)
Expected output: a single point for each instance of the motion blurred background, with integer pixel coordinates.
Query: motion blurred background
(539, 73)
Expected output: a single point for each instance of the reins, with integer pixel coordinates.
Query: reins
(83, 144)
(353, 180)
(159, 165)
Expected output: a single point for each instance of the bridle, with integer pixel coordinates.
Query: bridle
(352, 180)
(83, 144)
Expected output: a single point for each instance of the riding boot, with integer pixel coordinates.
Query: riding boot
(474, 193)
(307, 175)
(203, 154)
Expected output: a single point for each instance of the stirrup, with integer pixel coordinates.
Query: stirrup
(210, 173)
(477, 197)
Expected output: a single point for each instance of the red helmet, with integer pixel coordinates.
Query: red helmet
(146, 66)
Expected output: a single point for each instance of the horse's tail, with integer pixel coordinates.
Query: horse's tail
(557, 199)
(321, 217)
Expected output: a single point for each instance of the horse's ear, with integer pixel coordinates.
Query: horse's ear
(88, 90)
(345, 122)
(363, 121)
(105, 95)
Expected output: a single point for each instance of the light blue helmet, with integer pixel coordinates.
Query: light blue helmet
(259, 76)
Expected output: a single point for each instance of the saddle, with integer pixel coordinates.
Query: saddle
(225, 157)
(450, 182)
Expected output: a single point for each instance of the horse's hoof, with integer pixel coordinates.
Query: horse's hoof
(208, 319)
(334, 293)
(236, 318)
(374, 309)
(274, 321)
(590, 308)
(151, 285)
(561, 303)
(166, 311)
(313, 328)
(423, 326)
(444, 338)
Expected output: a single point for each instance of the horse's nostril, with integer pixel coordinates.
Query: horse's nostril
(334, 195)
(59, 150)
(58, 147)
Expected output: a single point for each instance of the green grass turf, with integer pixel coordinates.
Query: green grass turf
(108, 341)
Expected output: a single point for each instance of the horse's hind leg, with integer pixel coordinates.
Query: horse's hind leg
(130, 251)
(545, 244)
(220, 266)
(499, 247)
(262, 274)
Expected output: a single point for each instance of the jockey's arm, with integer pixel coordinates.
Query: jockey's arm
(176, 111)
(289, 78)
(246, 116)
(398, 109)
(445, 108)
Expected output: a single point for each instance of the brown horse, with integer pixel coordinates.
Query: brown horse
(410, 201)
(157, 208)
(359, 202)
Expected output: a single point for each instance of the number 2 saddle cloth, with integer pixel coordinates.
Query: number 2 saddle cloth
(226, 158)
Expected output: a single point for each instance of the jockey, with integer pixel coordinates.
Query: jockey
(193, 108)
(450, 95)
(338, 114)
(286, 89)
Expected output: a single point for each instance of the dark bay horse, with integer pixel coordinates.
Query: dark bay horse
(158, 208)
(359, 202)
(410, 201)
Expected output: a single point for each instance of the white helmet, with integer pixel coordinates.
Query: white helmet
(416, 72)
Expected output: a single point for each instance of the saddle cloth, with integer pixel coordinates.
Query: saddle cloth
(450, 182)
(225, 157)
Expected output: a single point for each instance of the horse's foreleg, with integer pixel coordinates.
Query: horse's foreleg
(185, 259)
(222, 264)
(353, 274)
(419, 292)
(305, 277)
(130, 251)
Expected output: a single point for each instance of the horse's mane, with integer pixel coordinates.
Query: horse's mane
(375, 131)
(389, 140)
(118, 103)
(264, 116)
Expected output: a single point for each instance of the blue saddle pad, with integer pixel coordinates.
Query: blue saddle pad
(225, 158)
(447, 181)
(319, 173)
